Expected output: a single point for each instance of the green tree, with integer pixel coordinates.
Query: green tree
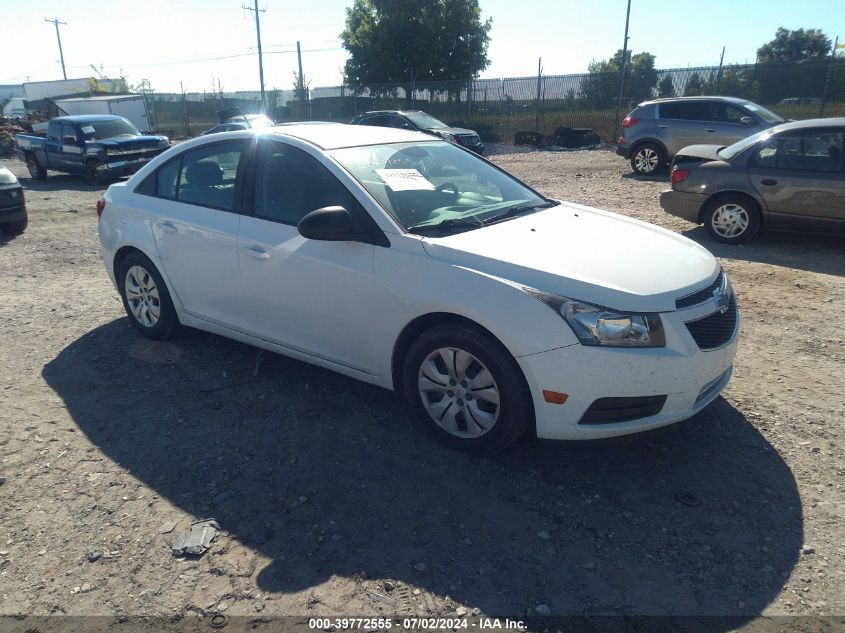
(695, 85)
(794, 46)
(601, 86)
(666, 87)
(410, 41)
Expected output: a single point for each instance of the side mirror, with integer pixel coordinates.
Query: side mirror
(333, 224)
(747, 121)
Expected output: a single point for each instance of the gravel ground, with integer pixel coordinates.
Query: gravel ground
(332, 501)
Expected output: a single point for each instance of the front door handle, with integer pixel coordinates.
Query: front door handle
(663, 127)
(257, 252)
(167, 226)
(769, 181)
(710, 129)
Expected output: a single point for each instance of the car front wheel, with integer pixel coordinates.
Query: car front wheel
(731, 219)
(467, 389)
(145, 297)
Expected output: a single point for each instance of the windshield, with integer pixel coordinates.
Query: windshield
(424, 121)
(767, 115)
(435, 183)
(109, 128)
(727, 153)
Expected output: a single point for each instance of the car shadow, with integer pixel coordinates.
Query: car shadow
(661, 177)
(63, 182)
(813, 253)
(329, 476)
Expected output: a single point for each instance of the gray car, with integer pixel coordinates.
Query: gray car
(655, 130)
(790, 177)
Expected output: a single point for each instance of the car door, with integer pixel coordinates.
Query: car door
(53, 146)
(726, 122)
(311, 296)
(197, 214)
(679, 124)
(799, 176)
(71, 150)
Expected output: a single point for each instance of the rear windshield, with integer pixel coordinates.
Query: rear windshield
(108, 128)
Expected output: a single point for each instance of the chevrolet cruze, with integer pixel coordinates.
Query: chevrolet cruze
(413, 264)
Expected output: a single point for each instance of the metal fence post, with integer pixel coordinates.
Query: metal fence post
(829, 73)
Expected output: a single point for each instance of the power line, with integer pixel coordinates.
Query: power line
(260, 57)
(56, 23)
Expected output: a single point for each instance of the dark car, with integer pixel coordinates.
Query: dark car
(790, 177)
(655, 130)
(12, 205)
(241, 122)
(421, 122)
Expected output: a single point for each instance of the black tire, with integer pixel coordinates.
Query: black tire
(167, 322)
(731, 219)
(15, 227)
(514, 411)
(36, 171)
(93, 175)
(648, 159)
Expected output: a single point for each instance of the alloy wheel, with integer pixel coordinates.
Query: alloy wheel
(646, 160)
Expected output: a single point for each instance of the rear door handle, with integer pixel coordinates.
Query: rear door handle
(710, 129)
(663, 127)
(769, 181)
(167, 226)
(256, 251)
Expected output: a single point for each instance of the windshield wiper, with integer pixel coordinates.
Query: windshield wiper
(519, 209)
(448, 223)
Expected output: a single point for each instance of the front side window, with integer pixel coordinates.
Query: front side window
(289, 184)
(423, 184)
(810, 150)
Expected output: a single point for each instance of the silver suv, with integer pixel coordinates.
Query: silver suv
(657, 130)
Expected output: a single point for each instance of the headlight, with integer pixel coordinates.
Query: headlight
(595, 325)
(7, 177)
(449, 137)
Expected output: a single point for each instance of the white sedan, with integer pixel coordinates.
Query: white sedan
(412, 264)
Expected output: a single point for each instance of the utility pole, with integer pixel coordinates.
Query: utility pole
(302, 95)
(56, 22)
(827, 79)
(719, 74)
(539, 80)
(624, 68)
(260, 59)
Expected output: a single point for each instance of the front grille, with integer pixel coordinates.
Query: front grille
(128, 155)
(715, 329)
(701, 295)
(610, 410)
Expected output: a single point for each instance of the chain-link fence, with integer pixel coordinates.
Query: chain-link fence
(499, 108)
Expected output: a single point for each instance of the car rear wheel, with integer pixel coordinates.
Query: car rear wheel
(648, 159)
(732, 219)
(145, 297)
(467, 389)
(36, 171)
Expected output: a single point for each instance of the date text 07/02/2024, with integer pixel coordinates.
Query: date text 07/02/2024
(340, 624)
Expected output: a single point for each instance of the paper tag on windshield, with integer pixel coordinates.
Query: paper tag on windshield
(87, 129)
(404, 179)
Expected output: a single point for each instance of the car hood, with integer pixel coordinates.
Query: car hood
(587, 254)
(706, 152)
(450, 130)
(129, 142)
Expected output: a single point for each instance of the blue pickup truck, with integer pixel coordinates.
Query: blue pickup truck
(99, 147)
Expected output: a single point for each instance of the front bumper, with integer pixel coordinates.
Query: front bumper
(688, 377)
(12, 203)
(117, 166)
(683, 204)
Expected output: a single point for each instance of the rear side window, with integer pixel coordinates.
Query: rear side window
(205, 176)
(378, 121)
(675, 111)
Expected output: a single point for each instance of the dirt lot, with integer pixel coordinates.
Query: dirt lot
(332, 501)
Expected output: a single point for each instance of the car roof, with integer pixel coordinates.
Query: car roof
(87, 118)
(696, 98)
(807, 123)
(337, 135)
(394, 112)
